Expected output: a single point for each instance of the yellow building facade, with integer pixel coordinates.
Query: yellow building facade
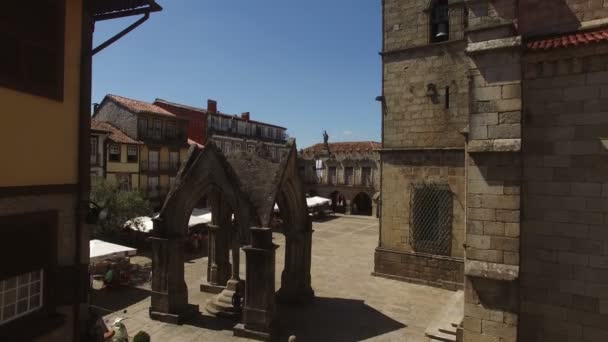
(114, 155)
(42, 179)
(45, 92)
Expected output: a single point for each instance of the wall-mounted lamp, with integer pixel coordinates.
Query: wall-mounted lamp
(380, 98)
(431, 90)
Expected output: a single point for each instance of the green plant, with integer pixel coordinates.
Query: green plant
(117, 207)
(141, 336)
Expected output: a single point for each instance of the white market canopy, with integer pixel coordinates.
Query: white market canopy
(312, 202)
(144, 223)
(99, 250)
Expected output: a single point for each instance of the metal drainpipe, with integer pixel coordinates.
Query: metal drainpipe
(382, 114)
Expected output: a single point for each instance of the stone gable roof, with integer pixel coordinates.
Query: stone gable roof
(139, 107)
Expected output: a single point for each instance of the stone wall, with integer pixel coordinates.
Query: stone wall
(536, 18)
(395, 254)
(426, 109)
(119, 117)
(406, 23)
(416, 117)
(564, 275)
(65, 205)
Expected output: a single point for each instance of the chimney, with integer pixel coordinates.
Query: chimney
(212, 106)
(245, 116)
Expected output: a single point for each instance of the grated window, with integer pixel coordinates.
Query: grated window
(431, 218)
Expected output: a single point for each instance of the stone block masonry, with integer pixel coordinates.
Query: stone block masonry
(396, 257)
(564, 282)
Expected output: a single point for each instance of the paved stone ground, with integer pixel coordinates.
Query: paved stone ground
(350, 304)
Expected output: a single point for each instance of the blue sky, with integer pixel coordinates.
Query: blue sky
(305, 65)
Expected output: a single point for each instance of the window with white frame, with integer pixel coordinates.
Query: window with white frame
(20, 295)
(227, 147)
(114, 153)
(273, 153)
(250, 148)
(237, 146)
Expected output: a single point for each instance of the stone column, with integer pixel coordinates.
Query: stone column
(259, 308)
(221, 305)
(218, 270)
(295, 278)
(347, 207)
(169, 295)
(493, 177)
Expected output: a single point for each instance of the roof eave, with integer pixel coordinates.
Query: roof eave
(121, 8)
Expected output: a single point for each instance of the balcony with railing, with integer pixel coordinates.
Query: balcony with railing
(156, 166)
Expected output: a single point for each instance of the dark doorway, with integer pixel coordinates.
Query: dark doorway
(362, 204)
(338, 202)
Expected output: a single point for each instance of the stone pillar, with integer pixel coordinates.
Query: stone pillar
(295, 278)
(221, 305)
(493, 178)
(347, 207)
(218, 266)
(258, 311)
(169, 295)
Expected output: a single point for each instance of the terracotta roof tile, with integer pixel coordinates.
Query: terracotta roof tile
(345, 146)
(136, 106)
(568, 40)
(219, 113)
(115, 134)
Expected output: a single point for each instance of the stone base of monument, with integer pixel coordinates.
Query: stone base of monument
(221, 305)
(210, 288)
(240, 330)
(186, 313)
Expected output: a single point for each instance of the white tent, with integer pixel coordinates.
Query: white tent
(316, 200)
(311, 202)
(99, 250)
(144, 223)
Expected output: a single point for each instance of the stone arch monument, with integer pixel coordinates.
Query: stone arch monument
(248, 185)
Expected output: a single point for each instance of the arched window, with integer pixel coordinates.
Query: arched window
(440, 21)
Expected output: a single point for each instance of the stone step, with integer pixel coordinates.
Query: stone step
(444, 326)
(439, 336)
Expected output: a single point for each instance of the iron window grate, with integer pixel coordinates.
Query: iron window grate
(431, 218)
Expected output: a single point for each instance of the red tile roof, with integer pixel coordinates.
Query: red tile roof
(569, 40)
(202, 110)
(138, 107)
(346, 146)
(115, 134)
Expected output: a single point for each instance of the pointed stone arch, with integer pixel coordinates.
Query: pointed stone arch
(205, 172)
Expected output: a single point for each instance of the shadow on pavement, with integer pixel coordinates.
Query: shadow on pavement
(210, 322)
(111, 300)
(333, 319)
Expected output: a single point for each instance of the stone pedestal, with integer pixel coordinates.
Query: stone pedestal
(221, 305)
(295, 279)
(259, 306)
(169, 298)
(218, 266)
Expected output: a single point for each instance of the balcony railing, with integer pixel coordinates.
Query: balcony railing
(154, 166)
